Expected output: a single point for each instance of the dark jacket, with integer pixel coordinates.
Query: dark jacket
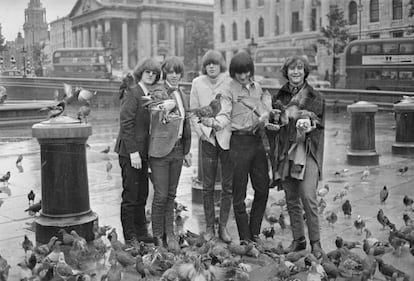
(134, 123)
(314, 102)
(163, 135)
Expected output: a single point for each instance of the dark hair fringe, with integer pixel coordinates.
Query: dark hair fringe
(242, 62)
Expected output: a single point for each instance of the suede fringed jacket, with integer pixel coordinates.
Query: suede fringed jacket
(282, 141)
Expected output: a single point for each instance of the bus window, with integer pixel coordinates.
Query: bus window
(372, 75)
(357, 49)
(374, 48)
(406, 75)
(390, 48)
(406, 48)
(389, 74)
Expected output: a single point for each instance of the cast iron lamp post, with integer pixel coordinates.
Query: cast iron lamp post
(24, 61)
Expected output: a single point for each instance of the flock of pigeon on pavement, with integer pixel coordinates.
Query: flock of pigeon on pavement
(68, 256)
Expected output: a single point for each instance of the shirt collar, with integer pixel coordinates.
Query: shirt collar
(143, 87)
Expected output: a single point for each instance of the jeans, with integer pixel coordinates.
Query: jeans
(166, 173)
(249, 159)
(210, 158)
(134, 198)
(301, 195)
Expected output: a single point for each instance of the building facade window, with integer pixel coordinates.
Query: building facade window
(295, 22)
(373, 11)
(161, 31)
(374, 35)
(222, 6)
(398, 33)
(222, 33)
(247, 29)
(261, 27)
(234, 31)
(260, 3)
(234, 5)
(247, 4)
(313, 19)
(277, 29)
(353, 11)
(396, 9)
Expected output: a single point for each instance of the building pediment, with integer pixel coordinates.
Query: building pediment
(84, 6)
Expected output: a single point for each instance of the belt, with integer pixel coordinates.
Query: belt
(243, 133)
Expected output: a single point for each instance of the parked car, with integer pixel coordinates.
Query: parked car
(11, 73)
(315, 82)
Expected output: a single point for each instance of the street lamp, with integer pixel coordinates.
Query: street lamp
(24, 61)
(360, 18)
(252, 46)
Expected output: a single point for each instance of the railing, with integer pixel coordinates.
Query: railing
(43, 89)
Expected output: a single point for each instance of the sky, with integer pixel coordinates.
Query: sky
(12, 14)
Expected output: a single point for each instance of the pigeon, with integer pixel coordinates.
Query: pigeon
(332, 218)
(365, 175)
(321, 206)
(67, 239)
(389, 271)
(340, 195)
(210, 110)
(4, 269)
(383, 195)
(34, 208)
(5, 178)
(19, 160)
(85, 95)
(341, 172)
(323, 191)
(31, 196)
(268, 232)
(106, 150)
(83, 113)
(54, 110)
(383, 220)
(3, 94)
(114, 273)
(402, 171)
(359, 224)
(27, 244)
(347, 208)
(408, 202)
(71, 93)
(407, 220)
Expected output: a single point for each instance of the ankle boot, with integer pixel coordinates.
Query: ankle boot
(224, 234)
(209, 234)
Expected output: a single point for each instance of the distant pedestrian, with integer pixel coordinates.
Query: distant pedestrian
(169, 149)
(241, 99)
(302, 138)
(214, 145)
(132, 148)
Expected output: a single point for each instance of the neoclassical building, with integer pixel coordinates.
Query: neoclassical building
(135, 28)
(282, 23)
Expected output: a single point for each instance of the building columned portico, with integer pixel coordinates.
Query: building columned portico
(135, 28)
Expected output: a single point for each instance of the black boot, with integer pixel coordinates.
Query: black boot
(297, 245)
(224, 234)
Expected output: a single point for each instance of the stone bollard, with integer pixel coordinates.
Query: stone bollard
(362, 149)
(404, 133)
(197, 183)
(64, 178)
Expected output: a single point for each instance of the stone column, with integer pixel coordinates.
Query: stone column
(288, 17)
(79, 36)
(154, 39)
(99, 34)
(86, 36)
(404, 134)
(172, 39)
(324, 12)
(125, 44)
(107, 26)
(180, 40)
(74, 38)
(144, 40)
(307, 11)
(362, 149)
(64, 178)
(93, 35)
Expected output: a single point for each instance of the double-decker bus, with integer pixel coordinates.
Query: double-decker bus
(269, 60)
(380, 64)
(80, 63)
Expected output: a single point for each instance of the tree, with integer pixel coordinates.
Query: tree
(335, 37)
(199, 39)
(2, 44)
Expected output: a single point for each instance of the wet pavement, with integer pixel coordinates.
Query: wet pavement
(105, 189)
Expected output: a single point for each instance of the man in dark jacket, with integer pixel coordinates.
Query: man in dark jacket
(132, 148)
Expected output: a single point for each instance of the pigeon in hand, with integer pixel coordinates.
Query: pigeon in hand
(210, 110)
